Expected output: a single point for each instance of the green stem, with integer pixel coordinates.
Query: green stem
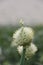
(22, 57)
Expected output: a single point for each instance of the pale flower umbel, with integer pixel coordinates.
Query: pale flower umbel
(30, 50)
(23, 36)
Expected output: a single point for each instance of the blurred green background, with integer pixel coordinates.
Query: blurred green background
(10, 56)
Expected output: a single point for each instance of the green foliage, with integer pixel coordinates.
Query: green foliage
(11, 55)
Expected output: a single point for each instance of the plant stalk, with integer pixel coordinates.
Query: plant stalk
(23, 57)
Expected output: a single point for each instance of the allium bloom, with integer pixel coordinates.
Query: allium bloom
(30, 50)
(23, 36)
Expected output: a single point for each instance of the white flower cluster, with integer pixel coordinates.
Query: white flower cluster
(30, 51)
(23, 37)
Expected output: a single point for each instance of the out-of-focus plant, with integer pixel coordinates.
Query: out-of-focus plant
(22, 39)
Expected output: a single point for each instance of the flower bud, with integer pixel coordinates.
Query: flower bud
(23, 36)
(20, 49)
